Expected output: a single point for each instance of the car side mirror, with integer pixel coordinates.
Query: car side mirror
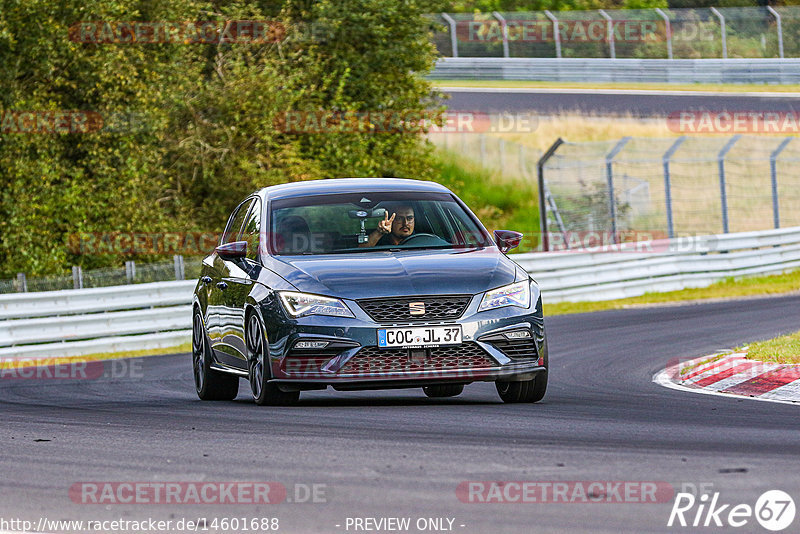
(507, 239)
(232, 251)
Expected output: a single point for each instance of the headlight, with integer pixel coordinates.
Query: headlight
(516, 294)
(302, 304)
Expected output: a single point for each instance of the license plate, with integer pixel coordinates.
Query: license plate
(420, 336)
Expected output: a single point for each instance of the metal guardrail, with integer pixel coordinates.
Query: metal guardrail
(145, 316)
(668, 265)
(599, 70)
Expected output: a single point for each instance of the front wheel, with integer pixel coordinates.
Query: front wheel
(209, 384)
(525, 391)
(264, 391)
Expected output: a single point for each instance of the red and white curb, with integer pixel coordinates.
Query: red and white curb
(733, 374)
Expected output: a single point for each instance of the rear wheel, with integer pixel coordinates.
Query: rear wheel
(209, 384)
(264, 391)
(526, 391)
(443, 390)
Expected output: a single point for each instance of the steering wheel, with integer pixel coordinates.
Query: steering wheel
(424, 239)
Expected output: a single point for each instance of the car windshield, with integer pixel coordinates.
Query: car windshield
(363, 222)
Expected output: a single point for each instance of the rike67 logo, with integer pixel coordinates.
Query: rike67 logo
(774, 510)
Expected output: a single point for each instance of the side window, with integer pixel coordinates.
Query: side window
(252, 229)
(463, 234)
(235, 223)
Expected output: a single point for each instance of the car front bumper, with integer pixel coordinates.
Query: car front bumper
(353, 360)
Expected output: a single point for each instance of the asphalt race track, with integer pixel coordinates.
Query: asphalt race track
(399, 454)
(611, 102)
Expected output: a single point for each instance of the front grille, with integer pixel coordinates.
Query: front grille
(374, 360)
(396, 310)
(522, 348)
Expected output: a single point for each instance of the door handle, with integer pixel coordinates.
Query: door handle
(222, 285)
(205, 279)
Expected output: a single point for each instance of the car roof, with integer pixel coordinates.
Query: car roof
(348, 185)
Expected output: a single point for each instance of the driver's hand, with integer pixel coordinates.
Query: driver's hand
(385, 226)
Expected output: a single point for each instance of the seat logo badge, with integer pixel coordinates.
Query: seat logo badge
(416, 308)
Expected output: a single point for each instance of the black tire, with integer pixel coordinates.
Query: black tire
(209, 384)
(443, 390)
(526, 391)
(265, 393)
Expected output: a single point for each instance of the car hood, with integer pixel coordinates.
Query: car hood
(389, 274)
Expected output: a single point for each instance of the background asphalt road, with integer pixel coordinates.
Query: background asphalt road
(397, 453)
(599, 102)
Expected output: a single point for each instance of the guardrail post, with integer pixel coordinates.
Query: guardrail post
(668, 29)
(667, 186)
(780, 32)
(77, 277)
(723, 194)
(504, 29)
(612, 205)
(453, 37)
(723, 33)
(609, 33)
(773, 171)
(130, 271)
(556, 34)
(22, 282)
(542, 202)
(179, 267)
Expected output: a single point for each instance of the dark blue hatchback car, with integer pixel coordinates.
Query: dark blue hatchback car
(364, 283)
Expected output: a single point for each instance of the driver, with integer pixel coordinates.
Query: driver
(393, 230)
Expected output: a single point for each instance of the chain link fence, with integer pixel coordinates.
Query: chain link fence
(742, 32)
(672, 187)
(132, 273)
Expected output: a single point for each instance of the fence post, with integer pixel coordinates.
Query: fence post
(612, 207)
(609, 33)
(453, 37)
(504, 29)
(668, 29)
(523, 167)
(179, 267)
(723, 33)
(130, 271)
(501, 149)
(542, 202)
(780, 32)
(482, 143)
(22, 282)
(77, 277)
(667, 186)
(556, 35)
(773, 172)
(723, 194)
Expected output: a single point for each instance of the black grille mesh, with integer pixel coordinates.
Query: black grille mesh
(375, 360)
(437, 308)
(522, 348)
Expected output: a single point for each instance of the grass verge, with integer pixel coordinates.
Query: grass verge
(718, 88)
(728, 288)
(784, 349)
